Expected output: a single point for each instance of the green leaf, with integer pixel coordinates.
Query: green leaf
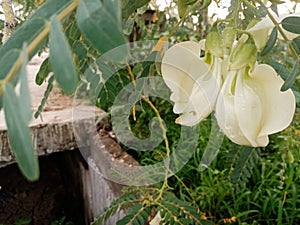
(125, 220)
(26, 33)
(182, 7)
(205, 4)
(280, 69)
(128, 27)
(43, 72)
(113, 7)
(296, 45)
(24, 221)
(61, 58)
(46, 95)
(72, 32)
(19, 134)
(6, 63)
(297, 96)
(241, 160)
(291, 24)
(271, 42)
(289, 82)
(101, 27)
(129, 6)
(24, 90)
(29, 30)
(213, 146)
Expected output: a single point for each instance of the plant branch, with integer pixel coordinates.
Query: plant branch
(32, 46)
(10, 20)
(165, 184)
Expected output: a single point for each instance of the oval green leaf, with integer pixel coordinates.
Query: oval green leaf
(296, 45)
(289, 82)
(129, 6)
(43, 72)
(100, 27)
(291, 24)
(24, 90)
(19, 134)
(271, 42)
(61, 59)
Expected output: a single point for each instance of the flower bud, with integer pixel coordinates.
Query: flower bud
(244, 55)
(229, 36)
(214, 43)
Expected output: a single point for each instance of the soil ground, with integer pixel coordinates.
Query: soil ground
(50, 198)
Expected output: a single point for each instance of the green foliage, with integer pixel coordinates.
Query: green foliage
(100, 22)
(61, 59)
(141, 202)
(46, 95)
(43, 72)
(23, 221)
(129, 6)
(290, 80)
(271, 42)
(241, 161)
(61, 221)
(243, 185)
(19, 134)
(291, 24)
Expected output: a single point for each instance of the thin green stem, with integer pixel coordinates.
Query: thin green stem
(168, 151)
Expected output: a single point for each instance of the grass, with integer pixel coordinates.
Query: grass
(269, 196)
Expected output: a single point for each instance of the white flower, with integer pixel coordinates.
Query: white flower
(261, 30)
(193, 83)
(251, 106)
(248, 102)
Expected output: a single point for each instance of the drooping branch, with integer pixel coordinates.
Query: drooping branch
(10, 20)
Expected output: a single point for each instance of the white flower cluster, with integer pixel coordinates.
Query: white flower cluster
(245, 95)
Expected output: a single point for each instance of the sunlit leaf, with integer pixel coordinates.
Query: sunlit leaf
(128, 27)
(100, 27)
(289, 82)
(205, 4)
(24, 90)
(291, 24)
(182, 7)
(19, 134)
(61, 58)
(129, 6)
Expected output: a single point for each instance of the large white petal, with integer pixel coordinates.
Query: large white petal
(193, 83)
(278, 107)
(260, 32)
(203, 96)
(181, 67)
(226, 111)
(248, 107)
